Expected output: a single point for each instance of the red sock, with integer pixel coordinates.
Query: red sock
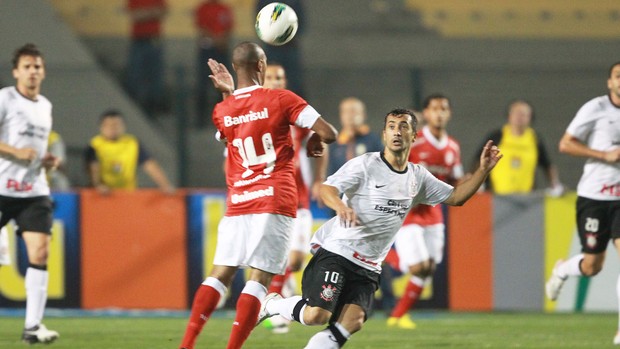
(411, 295)
(277, 282)
(205, 301)
(248, 308)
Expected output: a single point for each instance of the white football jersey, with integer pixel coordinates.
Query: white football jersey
(24, 123)
(597, 124)
(381, 198)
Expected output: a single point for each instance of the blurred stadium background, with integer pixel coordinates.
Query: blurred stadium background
(482, 54)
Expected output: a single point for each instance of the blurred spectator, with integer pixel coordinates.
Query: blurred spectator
(57, 178)
(214, 21)
(354, 138)
(113, 158)
(523, 151)
(145, 65)
(289, 55)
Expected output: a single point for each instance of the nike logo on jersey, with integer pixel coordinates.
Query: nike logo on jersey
(380, 186)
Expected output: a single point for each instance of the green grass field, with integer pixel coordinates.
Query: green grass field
(435, 330)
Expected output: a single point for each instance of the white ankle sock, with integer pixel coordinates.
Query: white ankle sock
(36, 296)
(570, 267)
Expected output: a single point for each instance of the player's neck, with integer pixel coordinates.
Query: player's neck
(247, 81)
(437, 132)
(398, 160)
(30, 93)
(517, 130)
(615, 99)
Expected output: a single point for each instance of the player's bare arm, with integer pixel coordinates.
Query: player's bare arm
(152, 168)
(331, 198)
(221, 78)
(19, 154)
(573, 146)
(488, 159)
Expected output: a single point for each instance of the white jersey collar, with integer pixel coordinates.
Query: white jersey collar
(246, 89)
(437, 143)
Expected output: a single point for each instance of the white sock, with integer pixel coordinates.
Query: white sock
(322, 340)
(216, 284)
(618, 294)
(284, 307)
(570, 267)
(255, 289)
(36, 296)
(416, 280)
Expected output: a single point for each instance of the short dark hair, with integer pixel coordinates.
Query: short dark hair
(401, 111)
(111, 113)
(611, 69)
(433, 96)
(26, 50)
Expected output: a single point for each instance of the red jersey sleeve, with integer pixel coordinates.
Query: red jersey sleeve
(292, 105)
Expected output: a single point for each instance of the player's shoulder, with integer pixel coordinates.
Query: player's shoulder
(453, 143)
(596, 105)
(44, 100)
(7, 93)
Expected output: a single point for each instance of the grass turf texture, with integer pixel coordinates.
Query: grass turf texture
(435, 330)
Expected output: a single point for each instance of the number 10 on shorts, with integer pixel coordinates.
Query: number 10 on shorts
(332, 276)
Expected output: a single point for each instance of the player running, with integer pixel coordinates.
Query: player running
(594, 134)
(379, 188)
(420, 242)
(262, 196)
(25, 125)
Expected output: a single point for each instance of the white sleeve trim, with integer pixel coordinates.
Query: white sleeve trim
(307, 117)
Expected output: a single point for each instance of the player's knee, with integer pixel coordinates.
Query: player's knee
(316, 316)
(355, 324)
(295, 265)
(590, 269)
(39, 257)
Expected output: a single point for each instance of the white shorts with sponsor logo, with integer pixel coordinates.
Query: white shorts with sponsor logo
(259, 240)
(302, 230)
(415, 243)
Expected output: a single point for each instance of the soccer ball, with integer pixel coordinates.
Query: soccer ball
(276, 24)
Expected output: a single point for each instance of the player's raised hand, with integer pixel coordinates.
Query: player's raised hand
(314, 146)
(347, 216)
(220, 76)
(25, 154)
(490, 156)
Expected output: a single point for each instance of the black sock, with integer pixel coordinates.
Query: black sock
(297, 309)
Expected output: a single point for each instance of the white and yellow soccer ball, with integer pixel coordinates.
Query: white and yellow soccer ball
(276, 24)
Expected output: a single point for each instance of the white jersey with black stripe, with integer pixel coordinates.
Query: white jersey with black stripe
(381, 198)
(24, 123)
(597, 124)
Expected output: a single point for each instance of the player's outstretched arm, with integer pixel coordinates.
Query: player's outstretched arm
(488, 159)
(19, 154)
(331, 198)
(325, 130)
(570, 145)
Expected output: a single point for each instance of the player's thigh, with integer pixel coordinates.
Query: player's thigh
(254, 240)
(359, 290)
(435, 239)
(323, 280)
(593, 225)
(410, 246)
(270, 238)
(302, 231)
(35, 215)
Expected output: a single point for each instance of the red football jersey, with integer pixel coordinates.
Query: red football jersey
(260, 171)
(299, 141)
(442, 157)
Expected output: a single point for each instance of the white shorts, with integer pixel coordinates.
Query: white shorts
(259, 240)
(415, 244)
(302, 230)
